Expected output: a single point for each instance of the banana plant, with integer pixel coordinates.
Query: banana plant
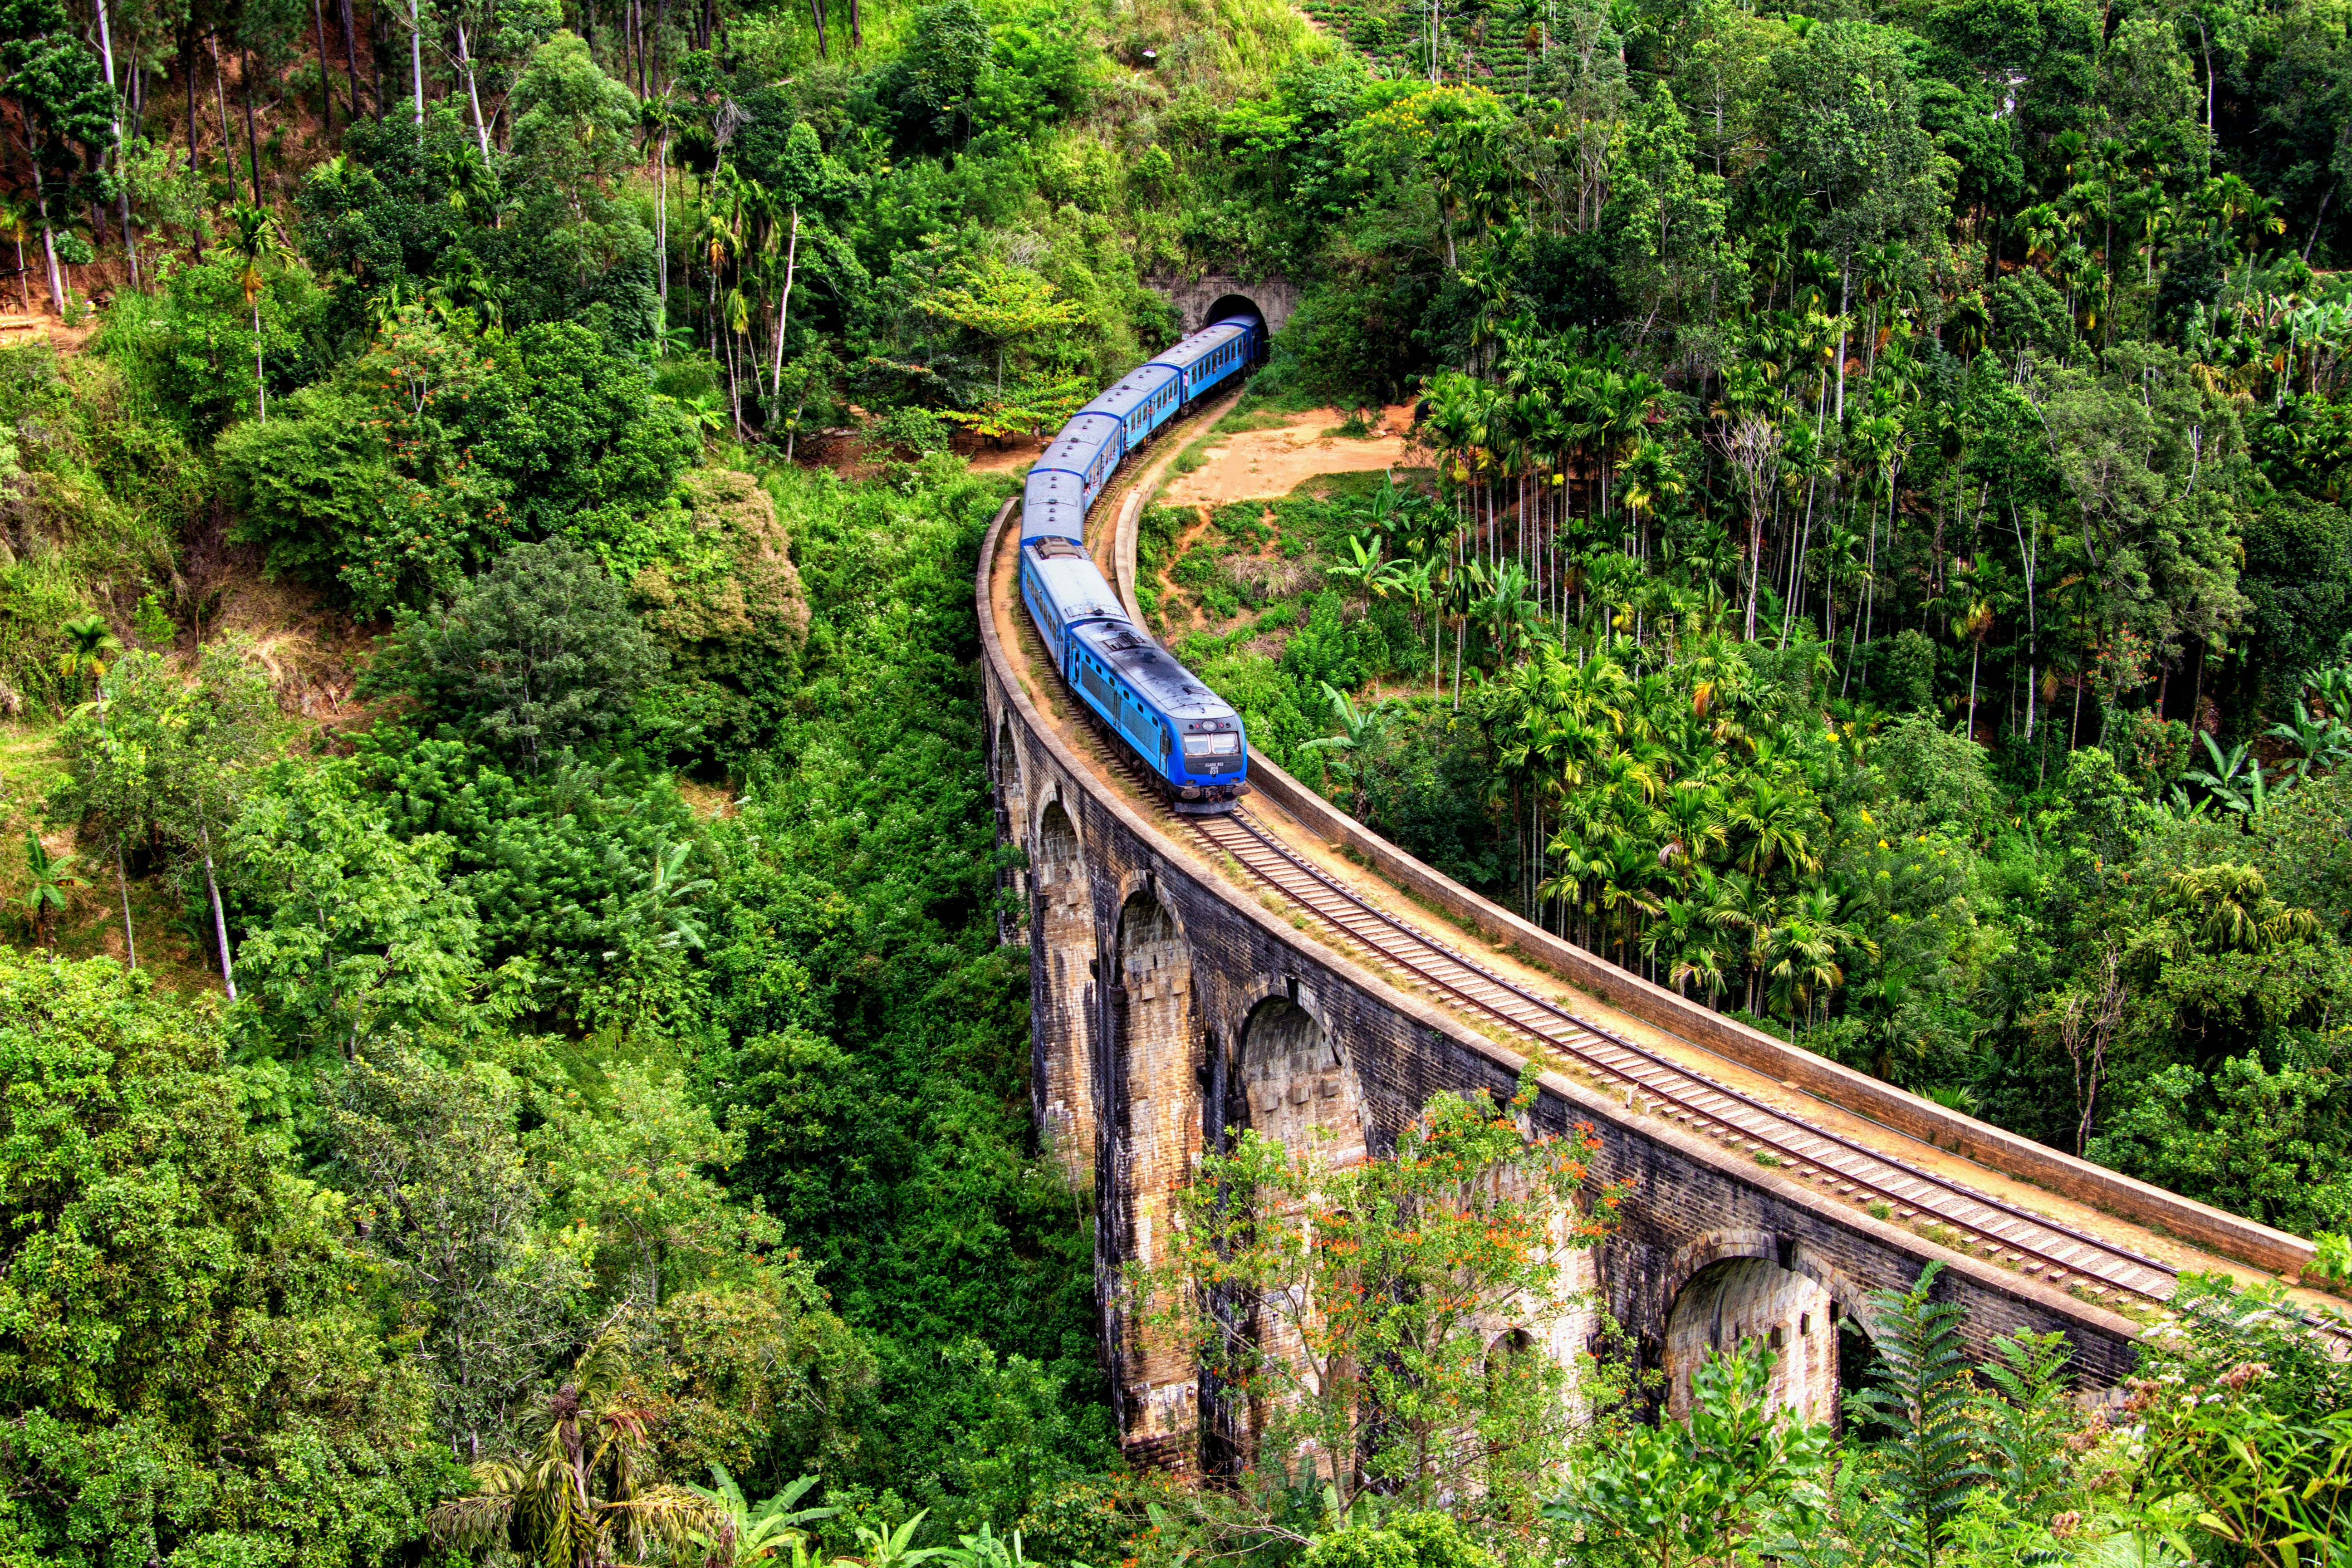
(889, 1548)
(51, 874)
(2323, 742)
(741, 1533)
(2235, 778)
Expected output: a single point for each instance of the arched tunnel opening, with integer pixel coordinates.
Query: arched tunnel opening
(1229, 306)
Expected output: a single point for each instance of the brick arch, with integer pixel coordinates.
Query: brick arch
(1004, 773)
(1154, 1136)
(1292, 1080)
(1730, 1285)
(1062, 965)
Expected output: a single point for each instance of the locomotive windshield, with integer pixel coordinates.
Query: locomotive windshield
(1221, 744)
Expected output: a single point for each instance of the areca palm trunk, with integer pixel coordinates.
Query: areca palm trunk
(252, 143)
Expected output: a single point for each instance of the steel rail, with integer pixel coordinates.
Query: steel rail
(1991, 1225)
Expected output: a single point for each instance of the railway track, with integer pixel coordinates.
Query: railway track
(1951, 1212)
(1971, 1220)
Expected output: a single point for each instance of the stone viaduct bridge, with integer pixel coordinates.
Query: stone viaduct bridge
(1169, 1003)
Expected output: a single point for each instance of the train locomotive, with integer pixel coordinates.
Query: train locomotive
(1187, 737)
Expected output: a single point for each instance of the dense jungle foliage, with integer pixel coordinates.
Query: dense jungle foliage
(508, 1050)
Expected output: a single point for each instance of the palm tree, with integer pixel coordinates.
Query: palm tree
(257, 241)
(2231, 909)
(91, 645)
(1776, 822)
(50, 876)
(1974, 623)
(1737, 903)
(588, 1491)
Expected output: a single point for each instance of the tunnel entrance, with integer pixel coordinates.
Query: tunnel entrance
(1230, 305)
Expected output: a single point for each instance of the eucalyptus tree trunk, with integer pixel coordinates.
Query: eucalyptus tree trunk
(48, 242)
(466, 63)
(784, 308)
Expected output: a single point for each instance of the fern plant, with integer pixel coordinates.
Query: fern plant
(1922, 1391)
(2026, 1425)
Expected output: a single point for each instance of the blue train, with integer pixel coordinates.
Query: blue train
(1187, 736)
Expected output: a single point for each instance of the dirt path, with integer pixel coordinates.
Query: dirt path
(1250, 464)
(1170, 595)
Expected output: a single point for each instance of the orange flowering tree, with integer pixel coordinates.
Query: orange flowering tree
(1383, 1324)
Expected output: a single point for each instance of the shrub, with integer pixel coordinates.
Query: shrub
(535, 656)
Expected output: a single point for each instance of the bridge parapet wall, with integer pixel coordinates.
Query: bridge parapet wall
(1162, 1040)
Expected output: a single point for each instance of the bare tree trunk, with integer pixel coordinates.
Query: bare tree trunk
(466, 61)
(220, 921)
(106, 53)
(784, 309)
(122, 881)
(350, 54)
(252, 143)
(325, 83)
(49, 239)
(416, 59)
(188, 58)
(220, 107)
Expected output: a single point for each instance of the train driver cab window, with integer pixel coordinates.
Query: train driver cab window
(1221, 743)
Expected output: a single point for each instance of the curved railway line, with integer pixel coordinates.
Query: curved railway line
(2064, 1257)
(1944, 1209)
(2031, 1243)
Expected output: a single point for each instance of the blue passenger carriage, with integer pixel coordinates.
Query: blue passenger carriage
(1190, 738)
(1212, 355)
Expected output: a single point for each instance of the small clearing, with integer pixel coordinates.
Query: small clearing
(1250, 464)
